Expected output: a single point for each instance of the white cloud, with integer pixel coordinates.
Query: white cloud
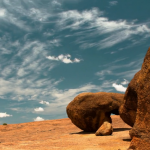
(64, 58)
(39, 109)
(112, 3)
(2, 115)
(44, 102)
(119, 87)
(125, 82)
(77, 60)
(142, 29)
(38, 119)
(56, 3)
(21, 72)
(6, 71)
(2, 12)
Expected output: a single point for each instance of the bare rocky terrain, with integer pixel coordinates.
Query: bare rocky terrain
(61, 134)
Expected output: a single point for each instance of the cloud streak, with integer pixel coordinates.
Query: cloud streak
(63, 97)
(125, 82)
(112, 3)
(128, 73)
(95, 25)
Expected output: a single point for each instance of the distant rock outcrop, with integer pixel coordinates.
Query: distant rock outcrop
(91, 111)
(136, 108)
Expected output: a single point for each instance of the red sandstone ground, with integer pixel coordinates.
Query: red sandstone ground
(61, 134)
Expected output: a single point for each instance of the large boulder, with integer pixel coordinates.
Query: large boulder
(136, 108)
(91, 111)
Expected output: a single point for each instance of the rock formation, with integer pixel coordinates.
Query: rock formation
(91, 111)
(136, 108)
(128, 110)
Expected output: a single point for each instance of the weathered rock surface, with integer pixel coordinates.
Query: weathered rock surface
(61, 134)
(128, 110)
(136, 108)
(105, 129)
(89, 111)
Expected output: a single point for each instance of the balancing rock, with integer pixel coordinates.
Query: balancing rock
(91, 111)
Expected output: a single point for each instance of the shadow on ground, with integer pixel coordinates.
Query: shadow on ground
(83, 132)
(114, 130)
(120, 129)
(127, 140)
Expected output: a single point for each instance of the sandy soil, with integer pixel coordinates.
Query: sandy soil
(61, 134)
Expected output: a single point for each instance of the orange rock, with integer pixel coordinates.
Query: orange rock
(105, 129)
(89, 111)
(136, 108)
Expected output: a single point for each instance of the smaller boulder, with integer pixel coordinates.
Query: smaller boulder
(105, 129)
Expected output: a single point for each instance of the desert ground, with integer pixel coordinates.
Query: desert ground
(61, 134)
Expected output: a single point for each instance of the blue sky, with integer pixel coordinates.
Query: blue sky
(52, 50)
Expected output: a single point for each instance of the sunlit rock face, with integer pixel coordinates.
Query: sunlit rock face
(136, 108)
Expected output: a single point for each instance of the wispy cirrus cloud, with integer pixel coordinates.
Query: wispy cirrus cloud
(112, 3)
(56, 3)
(33, 29)
(95, 25)
(30, 10)
(125, 82)
(129, 69)
(20, 75)
(93, 21)
(63, 97)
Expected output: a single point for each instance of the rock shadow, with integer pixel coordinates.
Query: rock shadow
(83, 132)
(127, 140)
(120, 129)
(114, 130)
